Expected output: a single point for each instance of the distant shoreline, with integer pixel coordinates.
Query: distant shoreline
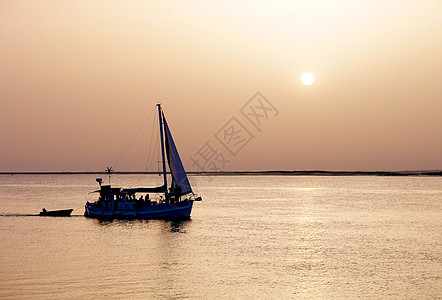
(236, 173)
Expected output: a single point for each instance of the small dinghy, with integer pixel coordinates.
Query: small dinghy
(56, 213)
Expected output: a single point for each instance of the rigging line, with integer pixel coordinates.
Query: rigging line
(133, 138)
(158, 154)
(149, 153)
(149, 156)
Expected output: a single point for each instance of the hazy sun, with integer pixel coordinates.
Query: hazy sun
(307, 78)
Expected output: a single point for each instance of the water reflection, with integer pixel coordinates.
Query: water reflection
(121, 223)
(179, 226)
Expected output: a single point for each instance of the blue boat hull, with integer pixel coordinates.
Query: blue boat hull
(179, 210)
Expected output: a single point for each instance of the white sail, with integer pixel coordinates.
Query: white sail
(179, 177)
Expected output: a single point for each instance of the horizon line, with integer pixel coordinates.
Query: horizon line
(220, 173)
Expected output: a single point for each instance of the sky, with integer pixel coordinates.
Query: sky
(79, 78)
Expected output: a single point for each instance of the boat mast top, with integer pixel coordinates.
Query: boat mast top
(162, 146)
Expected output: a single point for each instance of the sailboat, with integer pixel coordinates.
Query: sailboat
(174, 202)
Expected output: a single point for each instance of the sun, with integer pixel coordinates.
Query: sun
(307, 78)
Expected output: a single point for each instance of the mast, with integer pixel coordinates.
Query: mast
(162, 146)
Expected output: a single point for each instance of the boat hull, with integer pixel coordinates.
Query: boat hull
(179, 210)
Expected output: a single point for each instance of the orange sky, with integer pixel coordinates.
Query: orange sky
(77, 79)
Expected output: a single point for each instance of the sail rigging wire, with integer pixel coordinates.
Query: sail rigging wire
(158, 153)
(150, 154)
(133, 138)
(149, 158)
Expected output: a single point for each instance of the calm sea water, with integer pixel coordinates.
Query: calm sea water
(252, 237)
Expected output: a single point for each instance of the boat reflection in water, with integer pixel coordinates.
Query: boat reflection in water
(167, 225)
